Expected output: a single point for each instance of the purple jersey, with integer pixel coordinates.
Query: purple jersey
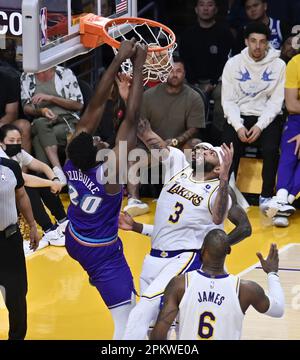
(93, 213)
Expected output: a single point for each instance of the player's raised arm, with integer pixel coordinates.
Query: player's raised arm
(253, 294)
(172, 297)
(220, 207)
(238, 216)
(149, 137)
(92, 116)
(128, 128)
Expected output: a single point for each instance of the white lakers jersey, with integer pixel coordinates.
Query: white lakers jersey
(183, 213)
(210, 308)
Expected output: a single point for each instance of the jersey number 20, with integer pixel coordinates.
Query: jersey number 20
(89, 203)
(206, 329)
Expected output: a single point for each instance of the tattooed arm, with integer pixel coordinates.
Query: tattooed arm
(237, 215)
(172, 297)
(187, 135)
(220, 206)
(149, 137)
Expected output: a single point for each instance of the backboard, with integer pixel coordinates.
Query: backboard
(51, 28)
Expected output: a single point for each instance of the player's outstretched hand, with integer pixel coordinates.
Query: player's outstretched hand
(227, 156)
(127, 49)
(144, 126)
(272, 261)
(126, 222)
(124, 82)
(140, 56)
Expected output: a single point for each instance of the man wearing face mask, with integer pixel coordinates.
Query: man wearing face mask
(39, 190)
(13, 278)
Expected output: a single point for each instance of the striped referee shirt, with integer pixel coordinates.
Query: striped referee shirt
(10, 180)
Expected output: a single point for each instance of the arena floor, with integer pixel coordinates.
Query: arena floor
(62, 304)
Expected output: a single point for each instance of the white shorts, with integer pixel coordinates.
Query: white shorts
(157, 272)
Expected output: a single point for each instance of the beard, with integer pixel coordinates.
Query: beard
(205, 166)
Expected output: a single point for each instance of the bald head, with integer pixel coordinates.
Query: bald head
(215, 246)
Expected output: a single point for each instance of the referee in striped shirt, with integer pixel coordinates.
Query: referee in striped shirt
(13, 277)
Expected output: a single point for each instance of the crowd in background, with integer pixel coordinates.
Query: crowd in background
(203, 99)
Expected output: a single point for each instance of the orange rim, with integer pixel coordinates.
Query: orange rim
(140, 21)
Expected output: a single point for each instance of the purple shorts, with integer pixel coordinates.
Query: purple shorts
(107, 268)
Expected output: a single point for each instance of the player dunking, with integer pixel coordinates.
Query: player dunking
(190, 205)
(212, 303)
(92, 234)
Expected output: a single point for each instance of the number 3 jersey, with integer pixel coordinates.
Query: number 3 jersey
(184, 208)
(210, 308)
(93, 213)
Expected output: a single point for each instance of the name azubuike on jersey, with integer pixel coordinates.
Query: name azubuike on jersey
(75, 175)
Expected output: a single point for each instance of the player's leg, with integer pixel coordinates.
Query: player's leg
(109, 272)
(148, 307)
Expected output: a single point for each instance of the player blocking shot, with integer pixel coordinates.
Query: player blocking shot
(212, 303)
(92, 234)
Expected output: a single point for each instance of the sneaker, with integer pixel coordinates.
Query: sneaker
(280, 221)
(55, 237)
(62, 226)
(263, 204)
(60, 174)
(275, 206)
(136, 207)
(26, 246)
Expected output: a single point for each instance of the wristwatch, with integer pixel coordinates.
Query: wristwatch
(174, 142)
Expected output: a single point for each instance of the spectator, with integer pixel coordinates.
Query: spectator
(13, 278)
(176, 113)
(205, 48)
(11, 142)
(256, 10)
(288, 177)
(9, 103)
(54, 100)
(288, 50)
(252, 98)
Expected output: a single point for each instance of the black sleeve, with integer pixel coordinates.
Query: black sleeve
(15, 168)
(13, 89)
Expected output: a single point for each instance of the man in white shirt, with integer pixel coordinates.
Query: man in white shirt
(252, 98)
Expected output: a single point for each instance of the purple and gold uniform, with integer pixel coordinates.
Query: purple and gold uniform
(92, 235)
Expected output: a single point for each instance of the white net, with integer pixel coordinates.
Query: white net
(159, 62)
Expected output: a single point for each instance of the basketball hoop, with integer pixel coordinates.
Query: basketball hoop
(96, 30)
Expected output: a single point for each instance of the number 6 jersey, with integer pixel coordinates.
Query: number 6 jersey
(210, 308)
(183, 213)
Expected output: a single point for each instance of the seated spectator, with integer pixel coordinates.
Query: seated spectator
(252, 99)
(288, 176)
(9, 103)
(54, 100)
(287, 49)
(205, 48)
(256, 10)
(11, 142)
(176, 113)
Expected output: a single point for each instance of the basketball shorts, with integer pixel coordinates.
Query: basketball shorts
(157, 272)
(107, 269)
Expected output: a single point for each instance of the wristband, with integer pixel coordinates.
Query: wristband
(147, 229)
(273, 273)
